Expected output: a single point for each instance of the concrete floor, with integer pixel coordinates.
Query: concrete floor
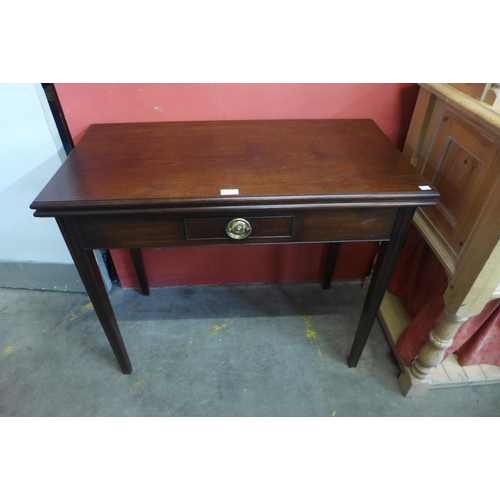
(240, 350)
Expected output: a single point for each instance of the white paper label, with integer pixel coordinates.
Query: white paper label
(226, 192)
(425, 188)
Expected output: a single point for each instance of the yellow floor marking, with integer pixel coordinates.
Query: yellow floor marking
(8, 350)
(74, 315)
(71, 317)
(311, 332)
(216, 329)
(138, 386)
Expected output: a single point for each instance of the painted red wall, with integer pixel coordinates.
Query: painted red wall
(389, 105)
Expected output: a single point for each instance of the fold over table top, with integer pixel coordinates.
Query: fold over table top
(187, 164)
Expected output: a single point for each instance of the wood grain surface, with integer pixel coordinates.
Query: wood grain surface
(189, 163)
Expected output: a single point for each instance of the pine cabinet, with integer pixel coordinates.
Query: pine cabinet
(454, 141)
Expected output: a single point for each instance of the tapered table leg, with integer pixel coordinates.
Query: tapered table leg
(384, 267)
(139, 270)
(333, 253)
(91, 277)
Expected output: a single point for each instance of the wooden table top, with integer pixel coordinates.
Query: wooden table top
(169, 164)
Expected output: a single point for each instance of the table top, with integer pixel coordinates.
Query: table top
(185, 164)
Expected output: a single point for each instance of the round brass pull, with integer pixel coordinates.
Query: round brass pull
(238, 229)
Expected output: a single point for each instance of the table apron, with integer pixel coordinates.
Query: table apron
(140, 230)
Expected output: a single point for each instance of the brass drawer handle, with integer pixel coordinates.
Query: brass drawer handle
(238, 229)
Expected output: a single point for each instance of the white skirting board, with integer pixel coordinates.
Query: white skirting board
(449, 373)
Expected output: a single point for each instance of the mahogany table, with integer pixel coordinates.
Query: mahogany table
(139, 185)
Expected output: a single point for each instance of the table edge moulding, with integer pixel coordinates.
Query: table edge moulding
(161, 184)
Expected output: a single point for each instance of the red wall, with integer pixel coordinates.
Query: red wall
(389, 105)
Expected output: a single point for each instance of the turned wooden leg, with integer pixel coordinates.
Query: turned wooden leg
(415, 380)
(440, 339)
(139, 269)
(384, 267)
(333, 253)
(91, 277)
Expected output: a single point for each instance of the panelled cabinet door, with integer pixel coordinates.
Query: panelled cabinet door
(463, 164)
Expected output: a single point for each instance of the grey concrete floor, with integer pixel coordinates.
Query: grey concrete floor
(239, 350)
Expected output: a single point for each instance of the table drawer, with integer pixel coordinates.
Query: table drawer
(260, 227)
(162, 230)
